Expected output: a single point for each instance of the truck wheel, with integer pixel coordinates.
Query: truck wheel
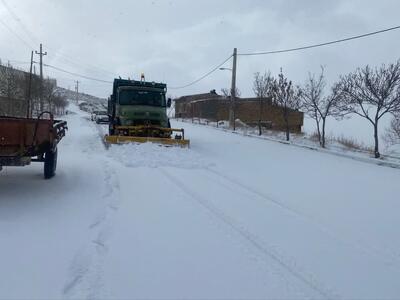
(111, 129)
(50, 164)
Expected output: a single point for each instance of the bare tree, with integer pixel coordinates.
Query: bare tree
(36, 95)
(13, 88)
(10, 82)
(287, 97)
(227, 92)
(392, 135)
(319, 106)
(262, 87)
(49, 93)
(53, 101)
(59, 104)
(372, 93)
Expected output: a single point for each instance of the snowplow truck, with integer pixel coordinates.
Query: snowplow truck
(138, 114)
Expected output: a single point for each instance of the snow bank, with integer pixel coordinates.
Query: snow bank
(394, 150)
(303, 141)
(156, 156)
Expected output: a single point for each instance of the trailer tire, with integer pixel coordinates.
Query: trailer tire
(50, 163)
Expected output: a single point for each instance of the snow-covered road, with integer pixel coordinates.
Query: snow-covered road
(230, 218)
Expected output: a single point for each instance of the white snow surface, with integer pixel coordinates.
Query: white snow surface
(232, 217)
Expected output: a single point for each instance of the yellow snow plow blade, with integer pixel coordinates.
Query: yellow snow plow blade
(115, 139)
(148, 134)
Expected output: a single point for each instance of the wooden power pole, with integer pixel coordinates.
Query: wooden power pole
(77, 92)
(232, 116)
(29, 104)
(41, 54)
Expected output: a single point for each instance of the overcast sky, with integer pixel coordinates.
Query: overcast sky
(177, 41)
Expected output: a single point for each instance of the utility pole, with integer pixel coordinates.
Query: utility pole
(29, 104)
(41, 54)
(232, 116)
(77, 92)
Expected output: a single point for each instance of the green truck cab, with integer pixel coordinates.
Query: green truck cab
(137, 113)
(138, 103)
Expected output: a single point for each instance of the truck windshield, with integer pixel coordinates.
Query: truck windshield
(135, 97)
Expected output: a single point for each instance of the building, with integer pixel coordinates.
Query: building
(214, 107)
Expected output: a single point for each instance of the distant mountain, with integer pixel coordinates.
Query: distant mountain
(82, 97)
(86, 102)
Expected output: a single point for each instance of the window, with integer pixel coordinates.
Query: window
(135, 97)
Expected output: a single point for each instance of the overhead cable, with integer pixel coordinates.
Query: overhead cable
(321, 44)
(202, 77)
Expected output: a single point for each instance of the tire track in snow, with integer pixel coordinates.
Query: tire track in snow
(85, 278)
(86, 270)
(253, 240)
(359, 244)
(78, 270)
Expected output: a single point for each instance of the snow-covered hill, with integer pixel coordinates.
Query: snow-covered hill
(82, 97)
(87, 102)
(232, 217)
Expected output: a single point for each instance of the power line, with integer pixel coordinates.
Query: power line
(19, 21)
(63, 71)
(69, 61)
(76, 74)
(19, 62)
(33, 38)
(291, 50)
(202, 77)
(221, 64)
(321, 44)
(14, 63)
(16, 34)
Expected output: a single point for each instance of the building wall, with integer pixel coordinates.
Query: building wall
(247, 110)
(12, 107)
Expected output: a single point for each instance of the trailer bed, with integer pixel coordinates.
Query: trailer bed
(23, 140)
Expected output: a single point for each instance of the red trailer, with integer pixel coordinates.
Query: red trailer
(23, 141)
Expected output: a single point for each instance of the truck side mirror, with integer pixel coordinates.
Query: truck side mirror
(169, 102)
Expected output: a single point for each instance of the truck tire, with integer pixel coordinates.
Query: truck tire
(50, 164)
(111, 129)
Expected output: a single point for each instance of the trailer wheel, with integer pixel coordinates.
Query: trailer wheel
(50, 164)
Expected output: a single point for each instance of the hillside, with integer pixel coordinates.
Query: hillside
(86, 101)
